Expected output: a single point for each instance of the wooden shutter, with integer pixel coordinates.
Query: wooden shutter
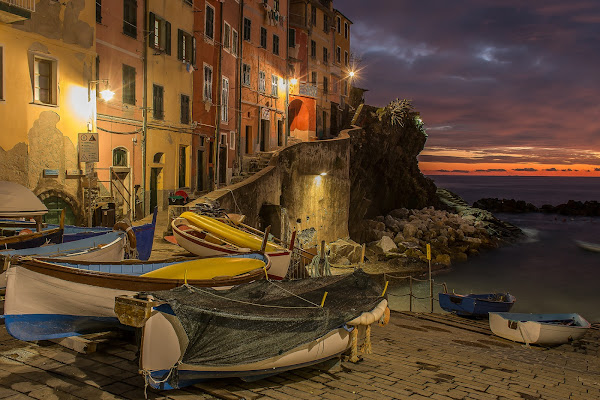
(151, 26)
(180, 40)
(168, 37)
(193, 50)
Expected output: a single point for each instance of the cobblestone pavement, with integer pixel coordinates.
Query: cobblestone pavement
(412, 358)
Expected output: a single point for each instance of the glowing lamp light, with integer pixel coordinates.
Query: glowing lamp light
(293, 81)
(351, 74)
(323, 173)
(107, 94)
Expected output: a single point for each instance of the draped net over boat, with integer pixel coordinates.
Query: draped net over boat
(265, 319)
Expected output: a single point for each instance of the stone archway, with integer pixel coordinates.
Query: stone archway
(56, 201)
(300, 120)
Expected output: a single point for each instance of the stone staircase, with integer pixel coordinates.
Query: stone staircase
(252, 164)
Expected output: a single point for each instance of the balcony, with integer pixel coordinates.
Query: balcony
(16, 10)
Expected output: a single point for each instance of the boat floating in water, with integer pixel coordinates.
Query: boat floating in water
(595, 247)
(48, 300)
(476, 305)
(251, 331)
(541, 329)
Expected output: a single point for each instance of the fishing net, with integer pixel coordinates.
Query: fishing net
(265, 319)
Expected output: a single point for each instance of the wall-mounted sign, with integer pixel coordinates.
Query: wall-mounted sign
(88, 147)
(265, 114)
(50, 173)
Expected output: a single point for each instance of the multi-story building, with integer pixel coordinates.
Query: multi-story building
(216, 110)
(340, 70)
(171, 57)
(120, 67)
(312, 59)
(264, 75)
(47, 60)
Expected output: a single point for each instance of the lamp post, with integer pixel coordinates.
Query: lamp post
(106, 94)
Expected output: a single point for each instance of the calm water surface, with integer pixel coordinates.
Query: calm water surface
(546, 271)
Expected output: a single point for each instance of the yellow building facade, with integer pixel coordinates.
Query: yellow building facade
(47, 58)
(169, 99)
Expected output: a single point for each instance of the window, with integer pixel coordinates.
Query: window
(160, 34)
(209, 22)
(128, 84)
(292, 38)
(276, 5)
(313, 15)
(313, 77)
(247, 29)
(276, 45)
(261, 82)
(99, 11)
(185, 109)
(338, 24)
(225, 101)
(325, 55)
(334, 84)
(186, 47)
(232, 140)
(226, 36)
(345, 88)
(130, 18)
(325, 85)
(119, 157)
(338, 54)
(158, 102)
(346, 30)
(234, 42)
(246, 75)
(313, 48)
(182, 166)
(263, 37)
(346, 58)
(325, 23)
(274, 85)
(207, 92)
(45, 81)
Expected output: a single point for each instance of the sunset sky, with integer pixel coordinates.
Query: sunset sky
(505, 87)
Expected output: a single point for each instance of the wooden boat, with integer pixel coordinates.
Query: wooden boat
(542, 329)
(206, 236)
(108, 247)
(283, 329)
(588, 246)
(476, 305)
(48, 300)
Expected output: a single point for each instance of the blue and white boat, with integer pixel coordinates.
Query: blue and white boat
(49, 300)
(542, 329)
(476, 305)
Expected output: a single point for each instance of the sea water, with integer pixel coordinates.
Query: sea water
(545, 270)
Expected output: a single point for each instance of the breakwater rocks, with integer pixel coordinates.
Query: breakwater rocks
(572, 207)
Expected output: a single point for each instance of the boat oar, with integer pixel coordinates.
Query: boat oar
(263, 246)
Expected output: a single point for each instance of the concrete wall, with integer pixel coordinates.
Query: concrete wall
(317, 206)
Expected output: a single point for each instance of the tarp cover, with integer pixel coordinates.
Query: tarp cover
(259, 320)
(18, 201)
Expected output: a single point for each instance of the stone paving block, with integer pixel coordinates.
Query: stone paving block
(18, 396)
(47, 393)
(26, 387)
(481, 396)
(6, 392)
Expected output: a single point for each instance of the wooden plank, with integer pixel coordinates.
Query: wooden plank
(86, 344)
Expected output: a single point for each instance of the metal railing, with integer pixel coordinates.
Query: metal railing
(28, 5)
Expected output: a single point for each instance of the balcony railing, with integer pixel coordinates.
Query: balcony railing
(28, 5)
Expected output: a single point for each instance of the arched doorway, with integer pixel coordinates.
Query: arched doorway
(56, 202)
(302, 125)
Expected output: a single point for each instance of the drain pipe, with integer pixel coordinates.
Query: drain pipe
(144, 108)
(218, 106)
(239, 81)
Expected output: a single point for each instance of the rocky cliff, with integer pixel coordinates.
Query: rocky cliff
(384, 171)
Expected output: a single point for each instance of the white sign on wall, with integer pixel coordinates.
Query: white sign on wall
(88, 147)
(265, 114)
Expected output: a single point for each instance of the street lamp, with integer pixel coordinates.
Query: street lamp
(293, 81)
(106, 94)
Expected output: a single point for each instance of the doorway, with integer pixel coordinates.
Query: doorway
(264, 134)
(248, 139)
(201, 164)
(280, 133)
(154, 186)
(223, 163)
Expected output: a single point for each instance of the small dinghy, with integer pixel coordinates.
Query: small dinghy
(476, 305)
(542, 329)
(595, 247)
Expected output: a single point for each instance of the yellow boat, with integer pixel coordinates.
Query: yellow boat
(227, 232)
(207, 268)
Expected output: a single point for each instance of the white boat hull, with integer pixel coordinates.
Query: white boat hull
(530, 328)
(280, 259)
(164, 341)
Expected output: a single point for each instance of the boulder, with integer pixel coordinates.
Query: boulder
(383, 245)
(443, 259)
(410, 230)
(392, 224)
(344, 249)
